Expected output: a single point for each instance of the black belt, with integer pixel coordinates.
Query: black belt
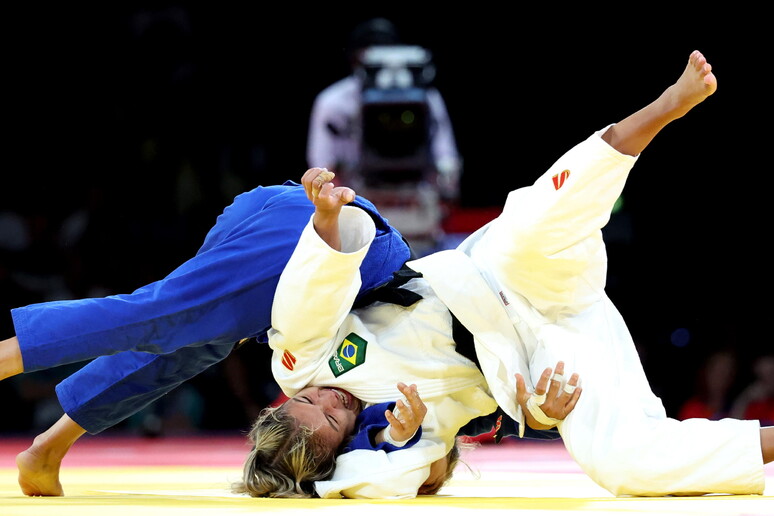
(393, 292)
(463, 341)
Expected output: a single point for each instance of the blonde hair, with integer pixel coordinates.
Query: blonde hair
(285, 460)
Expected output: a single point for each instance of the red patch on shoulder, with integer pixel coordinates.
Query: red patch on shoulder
(288, 360)
(560, 178)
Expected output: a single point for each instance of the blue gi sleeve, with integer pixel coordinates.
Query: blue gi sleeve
(368, 423)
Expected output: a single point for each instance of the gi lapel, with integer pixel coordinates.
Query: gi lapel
(458, 283)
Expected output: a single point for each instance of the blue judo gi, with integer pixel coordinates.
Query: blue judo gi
(146, 343)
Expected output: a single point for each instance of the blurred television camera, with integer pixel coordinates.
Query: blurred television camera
(395, 115)
(398, 167)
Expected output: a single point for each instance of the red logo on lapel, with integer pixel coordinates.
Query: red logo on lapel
(288, 360)
(560, 178)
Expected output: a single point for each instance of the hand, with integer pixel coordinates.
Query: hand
(319, 188)
(406, 419)
(327, 201)
(558, 403)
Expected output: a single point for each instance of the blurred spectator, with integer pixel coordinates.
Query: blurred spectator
(30, 271)
(756, 401)
(385, 131)
(712, 395)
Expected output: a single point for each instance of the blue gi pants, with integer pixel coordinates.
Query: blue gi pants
(150, 341)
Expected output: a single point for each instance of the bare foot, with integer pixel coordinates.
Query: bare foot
(635, 132)
(38, 474)
(695, 84)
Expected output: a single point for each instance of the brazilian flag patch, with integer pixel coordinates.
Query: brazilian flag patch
(350, 354)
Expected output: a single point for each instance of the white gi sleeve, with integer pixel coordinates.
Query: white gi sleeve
(314, 295)
(376, 474)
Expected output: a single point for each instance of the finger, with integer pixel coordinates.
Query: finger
(571, 385)
(575, 397)
(542, 385)
(346, 195)
(557, 379)
(572, 390)
(568, 390)
(309, 175)
(412, 395)
(306, 181)
(573, 400)
(522, 394)
(392, 420)
(325, 191)
(559, 369)
(321, 180)
(403, 388)
(417, 406)
(408, 413)
(325, 176)
(410, 392)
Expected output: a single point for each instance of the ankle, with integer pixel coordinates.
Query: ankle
(50, 446)
(44, 448)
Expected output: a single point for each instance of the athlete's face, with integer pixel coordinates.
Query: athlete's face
(329, 411)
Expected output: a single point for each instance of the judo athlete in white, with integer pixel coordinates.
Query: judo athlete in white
(530, 287)
(331, 360)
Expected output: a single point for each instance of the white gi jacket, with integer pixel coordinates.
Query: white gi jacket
(317, 341)
(530, 287)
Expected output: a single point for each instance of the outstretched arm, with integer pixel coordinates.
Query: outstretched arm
(325, 264)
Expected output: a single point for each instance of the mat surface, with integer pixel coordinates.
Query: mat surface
(190, 476)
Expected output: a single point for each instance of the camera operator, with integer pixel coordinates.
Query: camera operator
(385, 131)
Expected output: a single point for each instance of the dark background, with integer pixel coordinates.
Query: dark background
(141, 123)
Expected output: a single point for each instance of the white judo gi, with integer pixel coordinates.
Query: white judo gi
(530, 288)
(318, 341)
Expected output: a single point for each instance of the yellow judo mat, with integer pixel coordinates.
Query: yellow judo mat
(185, 476)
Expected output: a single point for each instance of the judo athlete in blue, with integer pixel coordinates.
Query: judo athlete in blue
(146, 343)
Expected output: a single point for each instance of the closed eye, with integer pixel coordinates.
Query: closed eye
(331, 419)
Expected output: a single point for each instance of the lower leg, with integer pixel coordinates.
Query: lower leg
(39, 464)
(767, 443)
(10, 358)
(632, 134)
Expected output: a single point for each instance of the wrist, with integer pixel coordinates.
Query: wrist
(398, 444)
(326, 219)
(533, 406)
(327, 228)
